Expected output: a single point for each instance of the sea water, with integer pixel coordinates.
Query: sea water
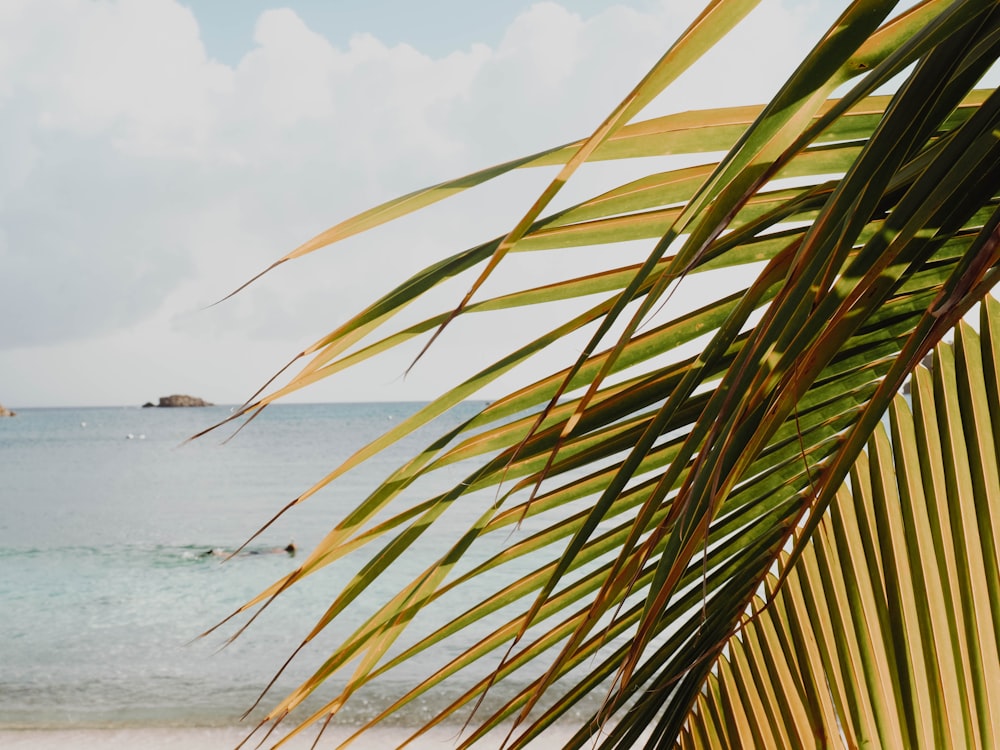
(107, 516)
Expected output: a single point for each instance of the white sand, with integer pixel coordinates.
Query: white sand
(227, 738)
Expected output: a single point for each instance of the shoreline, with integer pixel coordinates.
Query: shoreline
(224, 738)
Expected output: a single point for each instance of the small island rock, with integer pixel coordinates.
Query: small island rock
(182, 400)
(6, 412)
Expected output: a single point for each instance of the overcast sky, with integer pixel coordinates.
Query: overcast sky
(155, 154)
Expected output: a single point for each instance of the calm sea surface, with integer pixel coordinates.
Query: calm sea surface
(105, 519)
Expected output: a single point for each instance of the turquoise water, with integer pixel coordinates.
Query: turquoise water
(105, 518)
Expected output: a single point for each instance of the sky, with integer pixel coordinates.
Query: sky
(156, 154)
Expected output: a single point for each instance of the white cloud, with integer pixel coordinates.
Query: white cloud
(134, 72)
(141, 180)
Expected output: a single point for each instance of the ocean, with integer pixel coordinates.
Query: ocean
(106, 519)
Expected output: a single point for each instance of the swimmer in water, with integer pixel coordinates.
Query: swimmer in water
(290, 549)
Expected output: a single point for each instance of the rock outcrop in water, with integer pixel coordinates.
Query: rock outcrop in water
(180, 400)
(6, 412)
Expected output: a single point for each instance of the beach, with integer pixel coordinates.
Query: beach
(222, 738)
(110, 529)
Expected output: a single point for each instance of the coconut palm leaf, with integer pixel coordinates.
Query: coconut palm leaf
(668, 468)
(886, 629)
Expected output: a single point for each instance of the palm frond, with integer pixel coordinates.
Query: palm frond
(668, 468)
(885, 631)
